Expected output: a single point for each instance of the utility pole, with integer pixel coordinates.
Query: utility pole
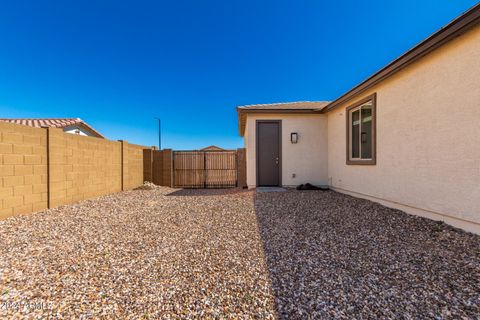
(159, 134)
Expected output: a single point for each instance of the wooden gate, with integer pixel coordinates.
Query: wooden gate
(205, 169)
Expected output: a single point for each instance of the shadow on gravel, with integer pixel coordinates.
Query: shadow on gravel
(330, 255)
(207, 192)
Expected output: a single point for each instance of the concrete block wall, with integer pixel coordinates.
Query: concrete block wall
(135, 166)
(23, 169)
(124, 164)
(45, 168)
(82, 167)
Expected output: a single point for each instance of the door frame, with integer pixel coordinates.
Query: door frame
(257, 123)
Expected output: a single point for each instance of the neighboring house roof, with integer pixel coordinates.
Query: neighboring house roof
(449, 32)
(284, 107)
(55, 123)
(212, 148)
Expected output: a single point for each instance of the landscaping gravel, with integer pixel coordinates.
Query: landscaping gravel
(334, 256)
(137, 254)
(166, 253)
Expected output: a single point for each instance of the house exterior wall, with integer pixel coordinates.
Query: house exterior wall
(428, 138)
(81, 131)
(307, 159)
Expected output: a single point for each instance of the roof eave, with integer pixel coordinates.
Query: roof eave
(93, 131)
(79, 122)
(242, 112)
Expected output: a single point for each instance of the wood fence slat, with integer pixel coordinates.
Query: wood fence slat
(205, 169)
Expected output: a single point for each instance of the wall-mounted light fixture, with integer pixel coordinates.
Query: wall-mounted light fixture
(294, 137)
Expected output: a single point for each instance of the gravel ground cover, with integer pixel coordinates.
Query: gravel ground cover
(137, 254)
(169, 253)
(335, 256)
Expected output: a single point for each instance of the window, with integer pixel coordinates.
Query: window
(361, 132)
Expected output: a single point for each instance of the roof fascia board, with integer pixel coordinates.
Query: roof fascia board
(279, 111)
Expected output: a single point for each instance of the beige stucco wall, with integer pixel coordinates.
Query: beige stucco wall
(307, 159)
(428, 138)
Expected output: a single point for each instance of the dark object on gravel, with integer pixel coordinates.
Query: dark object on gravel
(309, 186)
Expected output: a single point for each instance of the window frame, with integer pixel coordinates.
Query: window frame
(348, 112)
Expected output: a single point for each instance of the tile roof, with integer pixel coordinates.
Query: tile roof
(53, 123)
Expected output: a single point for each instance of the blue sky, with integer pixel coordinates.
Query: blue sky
(117, 64)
